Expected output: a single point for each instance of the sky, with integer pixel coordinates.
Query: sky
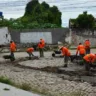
(69, 8)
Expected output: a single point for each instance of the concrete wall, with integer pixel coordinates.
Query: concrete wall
(81, 36)
(15, 35)
(51, 36)
(34, 37)
(5, 36)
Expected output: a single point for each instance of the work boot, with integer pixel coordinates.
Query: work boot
(65, 65)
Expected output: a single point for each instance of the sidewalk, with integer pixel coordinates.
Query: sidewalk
(7, 90)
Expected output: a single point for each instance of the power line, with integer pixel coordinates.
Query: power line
(66, 7)
(79, 3)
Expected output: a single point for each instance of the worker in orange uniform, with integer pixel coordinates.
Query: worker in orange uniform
(81, 50)
(30, 52)
(43, 42)
(88, 60)
(87, 46)
(66, 53)
(41, 46)
(12, 50)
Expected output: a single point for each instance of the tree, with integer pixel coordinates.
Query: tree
(45, 5)
(30, 7)
(55, 15)
(85, 21)
(36, 16)
(41, 13)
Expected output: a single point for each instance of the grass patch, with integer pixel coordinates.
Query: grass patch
(25, 86)
(6, 81)
(42, 92)
(78, 93)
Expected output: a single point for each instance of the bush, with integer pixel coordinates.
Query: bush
(5, 80)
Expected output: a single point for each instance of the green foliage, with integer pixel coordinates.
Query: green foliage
(42, 14)
(5, 22)
(26, 87)
(45, 5)
(36, 16)
(32, 25)
(5, 80)
(79, 92)
(55, 18)
(49, 25)
(30, 6)
(84, 20)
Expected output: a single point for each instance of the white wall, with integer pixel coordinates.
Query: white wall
(4, 36)
(34, 37)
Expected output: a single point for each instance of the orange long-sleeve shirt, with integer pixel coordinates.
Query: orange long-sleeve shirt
(90, 57)
(65, 51)
(13, 47)
(30, 50)
(43, 42)
(80, 49)
(87, 44)
(40, 45)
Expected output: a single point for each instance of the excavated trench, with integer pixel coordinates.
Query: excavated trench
(79, 75)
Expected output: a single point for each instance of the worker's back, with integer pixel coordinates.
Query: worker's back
(65, 51)
(30, 49)
(43, 42)
(80, 49)
(12, 46)
(90, 57)
(87, 44)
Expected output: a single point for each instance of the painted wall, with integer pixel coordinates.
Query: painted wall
(5, 36)
(34, 37)
(51, 36)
